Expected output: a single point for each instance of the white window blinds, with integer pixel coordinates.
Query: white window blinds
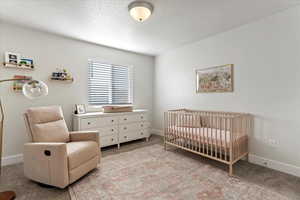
(109, 84)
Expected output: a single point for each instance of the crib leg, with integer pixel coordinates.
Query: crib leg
(165, 146)
(230, 170)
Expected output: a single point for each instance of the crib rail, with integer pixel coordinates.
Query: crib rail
(221, 136)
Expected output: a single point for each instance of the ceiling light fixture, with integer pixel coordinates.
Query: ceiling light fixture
(140, 10)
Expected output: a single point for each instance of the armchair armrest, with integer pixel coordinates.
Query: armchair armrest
(85, 136)
(47, 163)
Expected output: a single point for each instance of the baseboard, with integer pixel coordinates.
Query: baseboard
(10, 160)
(157, 132)
(276, 165)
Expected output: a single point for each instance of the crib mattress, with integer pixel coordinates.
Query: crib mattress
(206, 135)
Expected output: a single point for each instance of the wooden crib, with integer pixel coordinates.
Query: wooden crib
(222, 136)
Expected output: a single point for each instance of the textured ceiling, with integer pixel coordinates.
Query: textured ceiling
(107, 22)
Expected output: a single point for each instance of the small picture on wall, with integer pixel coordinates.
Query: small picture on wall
(80, 108)
(215, 79)
(12, 58)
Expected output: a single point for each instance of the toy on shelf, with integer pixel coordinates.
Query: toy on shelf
(61, 75)
(18, 84)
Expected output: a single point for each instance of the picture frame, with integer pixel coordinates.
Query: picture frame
(215, 79)
(80, 109)
(12, 59)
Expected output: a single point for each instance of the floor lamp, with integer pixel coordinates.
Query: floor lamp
(31, 89)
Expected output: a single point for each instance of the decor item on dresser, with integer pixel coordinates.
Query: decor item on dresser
(79, 108)
(31, 89)
(115, 128)
(55, 156)
(215, 79)
(61, 75)
(222, 136)
(14, 60)
(115, 109)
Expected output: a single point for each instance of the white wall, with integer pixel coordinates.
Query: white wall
(49, 52)
(266, 55)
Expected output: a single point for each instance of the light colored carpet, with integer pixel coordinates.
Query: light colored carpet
(153, 173)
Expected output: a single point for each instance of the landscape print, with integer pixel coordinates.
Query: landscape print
(215, 79)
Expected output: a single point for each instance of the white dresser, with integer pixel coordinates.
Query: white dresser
(114, 128)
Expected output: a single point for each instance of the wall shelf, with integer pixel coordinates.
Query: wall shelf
(18, 66)
(70, 80)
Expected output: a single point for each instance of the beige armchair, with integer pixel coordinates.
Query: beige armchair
(56, 156)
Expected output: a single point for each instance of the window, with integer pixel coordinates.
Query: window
(109, 84)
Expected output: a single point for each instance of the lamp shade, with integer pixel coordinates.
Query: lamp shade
(140, 10)
(35, 89)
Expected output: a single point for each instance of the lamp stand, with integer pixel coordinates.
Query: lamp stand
(7, 195)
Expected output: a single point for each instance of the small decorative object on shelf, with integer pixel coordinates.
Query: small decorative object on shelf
(18, 84)
(14, 60)
(61, 75)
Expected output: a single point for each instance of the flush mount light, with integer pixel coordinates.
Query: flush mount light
(140, 10)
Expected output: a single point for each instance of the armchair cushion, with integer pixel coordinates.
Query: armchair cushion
(81, 152)
(39, 115)
(47, 124)
(56, 131)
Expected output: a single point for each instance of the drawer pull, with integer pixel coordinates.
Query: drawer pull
(125, 137)
(112, 139)
(125, 128)
(112, 130)
(89, 123)
(142, 117)
(142, 125)
(142, 133)
(112, 120)
(125, 119)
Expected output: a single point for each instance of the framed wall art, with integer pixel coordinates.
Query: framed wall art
(215, 79)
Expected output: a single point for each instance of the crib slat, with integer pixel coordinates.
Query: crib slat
(226, 128)
(214, 136)
(166, 126)
(220, 136)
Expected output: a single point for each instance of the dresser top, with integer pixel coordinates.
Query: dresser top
(93, 114)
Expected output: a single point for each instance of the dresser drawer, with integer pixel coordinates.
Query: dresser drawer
(108, 121)
(88, 123)
(133, 135)
(108, 130)
(144, 125)
(127, 137)
(108, 140)
(143, 133)
(125, 128)
(132, 118)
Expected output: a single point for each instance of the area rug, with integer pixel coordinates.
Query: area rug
(153, 173)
